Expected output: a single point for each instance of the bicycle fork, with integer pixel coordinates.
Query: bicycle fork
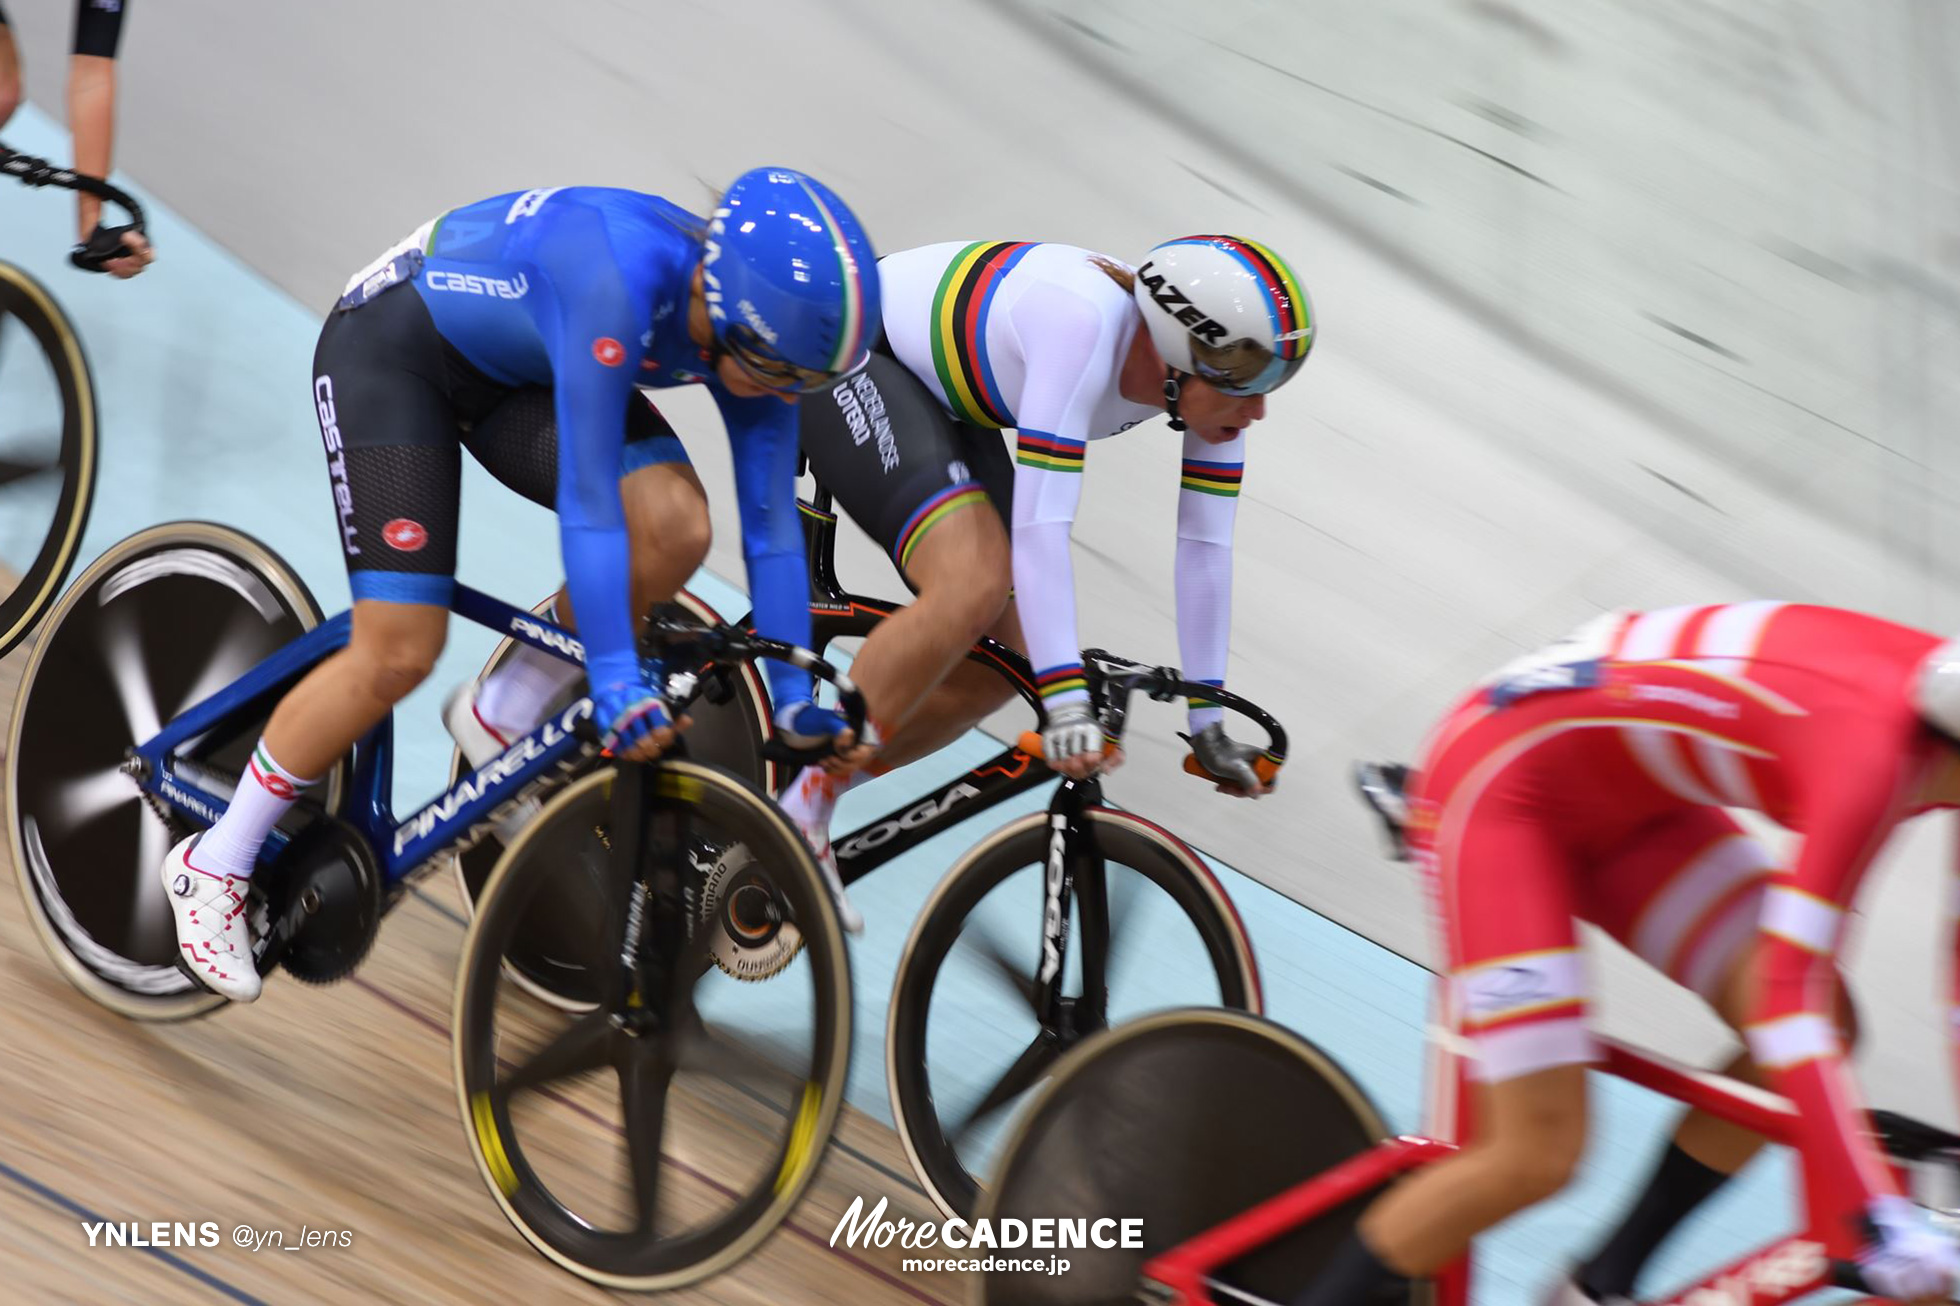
(1073, 876)
(650, 988)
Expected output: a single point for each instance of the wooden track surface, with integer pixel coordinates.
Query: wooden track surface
(327, 1108)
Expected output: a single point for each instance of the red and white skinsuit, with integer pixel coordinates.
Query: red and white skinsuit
(1596, 793)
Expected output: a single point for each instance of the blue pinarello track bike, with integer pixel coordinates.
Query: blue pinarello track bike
(143, 697)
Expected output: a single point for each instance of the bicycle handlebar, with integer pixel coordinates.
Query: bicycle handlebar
(723, 646)
(92, 255)
(1901, 1138)
(1112, 680)
(1907, 1139)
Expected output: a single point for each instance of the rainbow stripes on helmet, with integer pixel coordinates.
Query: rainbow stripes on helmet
(851, 322)
(1286, 302)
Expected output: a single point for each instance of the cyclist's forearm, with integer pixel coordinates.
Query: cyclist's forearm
(1047, 489)
(1044, 593)
(1794, 1040)
(1207, 511)
(780, 589)
(1204, 617)
(92, 118)
(597, 570)
(765, 449)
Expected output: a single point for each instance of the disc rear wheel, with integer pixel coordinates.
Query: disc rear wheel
(158, 623)
(1181, 1120)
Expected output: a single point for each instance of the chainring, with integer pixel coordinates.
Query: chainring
(324, 902)
(752, 938)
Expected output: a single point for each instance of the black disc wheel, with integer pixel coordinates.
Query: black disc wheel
(728, 735)
(158, 623)
(965, 1042)
(1180, 1121)
(655, 1138)
(47, 451)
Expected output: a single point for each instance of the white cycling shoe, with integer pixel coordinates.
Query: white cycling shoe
(214, 930)
(479, 742)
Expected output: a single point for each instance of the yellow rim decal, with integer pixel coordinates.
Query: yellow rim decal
(492, 1142)
(673, 784)
(798, 1157)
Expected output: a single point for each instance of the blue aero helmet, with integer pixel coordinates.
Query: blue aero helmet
(791, 281)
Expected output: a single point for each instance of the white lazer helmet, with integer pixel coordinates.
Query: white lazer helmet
(1226, 310)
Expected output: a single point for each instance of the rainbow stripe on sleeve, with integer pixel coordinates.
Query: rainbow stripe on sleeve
(959, 330)
(1061, 680)
(1213, 478)
(1039, 449)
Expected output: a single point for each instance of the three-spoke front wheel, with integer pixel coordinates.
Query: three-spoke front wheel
(656, 1137)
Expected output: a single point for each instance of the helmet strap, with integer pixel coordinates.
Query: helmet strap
(1173, 391)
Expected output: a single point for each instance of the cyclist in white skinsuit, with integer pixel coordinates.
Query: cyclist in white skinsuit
(1044, 339)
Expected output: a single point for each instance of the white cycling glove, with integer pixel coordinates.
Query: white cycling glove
(1072, 731)
(1908, 1258)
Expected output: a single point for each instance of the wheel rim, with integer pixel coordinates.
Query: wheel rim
(115, 665)
(961, 1069)
(47, 451)
(767, 1091)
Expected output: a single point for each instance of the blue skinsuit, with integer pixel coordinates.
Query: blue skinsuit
(594, 303)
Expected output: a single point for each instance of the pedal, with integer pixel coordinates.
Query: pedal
(1383, 786)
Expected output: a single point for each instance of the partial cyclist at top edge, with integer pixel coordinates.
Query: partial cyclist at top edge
(521, 328)
(92, 122)
(1588, 781)
(1065, 346)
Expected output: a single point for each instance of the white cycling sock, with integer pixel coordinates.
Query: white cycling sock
(514, 698)
(231, 847)
(812, 799)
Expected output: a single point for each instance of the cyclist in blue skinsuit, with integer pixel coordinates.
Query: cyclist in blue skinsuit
(520, 328)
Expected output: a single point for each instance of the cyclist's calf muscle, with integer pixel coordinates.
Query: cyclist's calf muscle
(1535, 1133)
(956, 704)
